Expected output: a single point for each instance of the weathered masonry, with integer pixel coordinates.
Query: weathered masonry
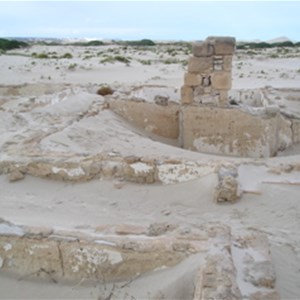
(209, 72)
(250, 125)
(208, 123)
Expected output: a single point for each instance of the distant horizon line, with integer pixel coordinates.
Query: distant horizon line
(283, 38)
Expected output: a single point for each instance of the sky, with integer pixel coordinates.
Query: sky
(157, 20)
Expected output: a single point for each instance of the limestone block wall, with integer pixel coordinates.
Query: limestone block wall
(296, 130)
(228, 131)
(209, 72)
(156, 119)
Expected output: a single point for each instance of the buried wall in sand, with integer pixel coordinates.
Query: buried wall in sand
(206, 120)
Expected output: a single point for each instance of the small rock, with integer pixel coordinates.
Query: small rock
(185, 230)
(130, 245)
(156, 229)
(105, 90)
(118, 185)
(181, 247)
(15, 175)
(166, 212)
(161, 100)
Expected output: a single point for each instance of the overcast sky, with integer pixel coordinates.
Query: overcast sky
(174, 20)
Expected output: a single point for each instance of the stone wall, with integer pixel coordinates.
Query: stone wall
(154, 118)
(206, 121)
(228, 131)
(209, 72)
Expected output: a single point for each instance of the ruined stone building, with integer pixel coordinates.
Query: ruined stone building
(206, 120)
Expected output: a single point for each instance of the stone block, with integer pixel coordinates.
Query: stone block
(221, 80)
(192, 79)
(223, 98)
(285, 133)
(200, 64)
(199, 91)
(31, 257)
(228, 189)
(296, 131)
(222, 45)
(218, 63)
(227, 63)
(202, 49)
(187, 95)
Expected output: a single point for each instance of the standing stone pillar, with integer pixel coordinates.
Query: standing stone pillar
(209, 72)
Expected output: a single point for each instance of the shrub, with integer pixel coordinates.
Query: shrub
(171, 61)
(105, 90)
(250, 52)
(112, 59)
(67, 55)
(122, 59)
(72, 66)
(40, 55)
(87, 57)
(145, 62)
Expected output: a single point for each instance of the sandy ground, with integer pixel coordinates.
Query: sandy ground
(270, 203)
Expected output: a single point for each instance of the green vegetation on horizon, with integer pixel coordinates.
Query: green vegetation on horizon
(262, 45)
(11, 44)
(144, 42)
